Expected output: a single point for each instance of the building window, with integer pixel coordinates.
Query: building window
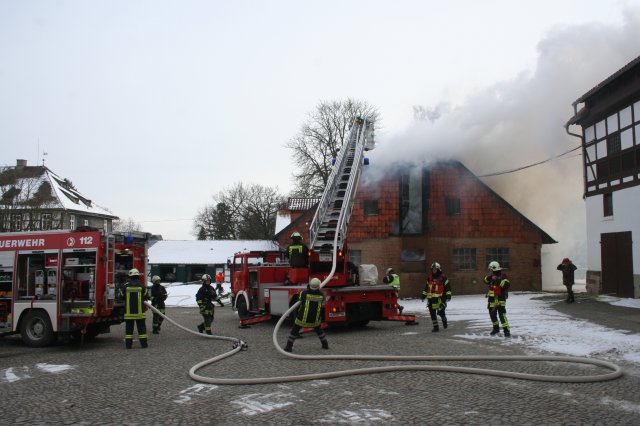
(613, 144)
(355, 257)
(16, 222)
(464, 259)
(607, 204)
(72, 222)
(370, 207)
(47, 221)
(86, 222)
(105, 226)
(452, 206)
(500, 255)
(413, 187)
(413, 260)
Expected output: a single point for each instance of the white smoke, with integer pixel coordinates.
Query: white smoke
(521, 121)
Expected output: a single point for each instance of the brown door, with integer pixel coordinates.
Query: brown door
(617, 263)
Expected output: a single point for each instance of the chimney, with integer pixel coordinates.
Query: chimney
(21, 163)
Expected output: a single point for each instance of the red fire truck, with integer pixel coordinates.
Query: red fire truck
(264, 283)
(65, 282)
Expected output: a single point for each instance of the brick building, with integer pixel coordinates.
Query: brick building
(442, 212)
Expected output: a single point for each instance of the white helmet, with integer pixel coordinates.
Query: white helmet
(155, 278)
(134, 272)
(436, 265)
(296, 235)
(314, 284)
(494, 266)
(205, 277)
(389, 270)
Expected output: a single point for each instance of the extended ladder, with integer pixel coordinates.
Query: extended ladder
(341, 189)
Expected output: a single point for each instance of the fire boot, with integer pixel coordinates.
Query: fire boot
(496, 330)
(444, 322)
(289, 347)
(221, 304)
(143, 343)
(506, 332)
(325, 344)
(435, 329)
(201, 328)
(128, 344)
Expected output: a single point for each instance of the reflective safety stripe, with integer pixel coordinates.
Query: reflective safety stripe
(311, 302)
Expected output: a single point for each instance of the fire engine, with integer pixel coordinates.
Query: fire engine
(55, 283)
(265, 284)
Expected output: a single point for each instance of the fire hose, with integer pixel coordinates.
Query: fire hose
(239, 345)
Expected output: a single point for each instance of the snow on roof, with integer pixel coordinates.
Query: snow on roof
(203, 252)
(301, 204)
(283, 219)
(71, 199)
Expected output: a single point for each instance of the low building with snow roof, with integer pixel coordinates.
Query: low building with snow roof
(187, 261)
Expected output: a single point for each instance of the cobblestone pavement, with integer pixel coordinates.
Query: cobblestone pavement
(105, 384)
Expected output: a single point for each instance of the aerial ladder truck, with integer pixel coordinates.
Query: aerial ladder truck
(265, 285)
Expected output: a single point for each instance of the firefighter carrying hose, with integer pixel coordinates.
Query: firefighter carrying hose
(309, 315)
(134, 314)
(497, 298)
(158, 296)
(205, 297)
(437, 292)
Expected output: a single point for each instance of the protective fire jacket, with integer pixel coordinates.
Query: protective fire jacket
(393, 280)
(310, 309)
(498, 286)
(204, 298)
(435, 286)
(135, 294)
(158, 295)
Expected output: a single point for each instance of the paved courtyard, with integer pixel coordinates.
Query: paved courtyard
(102, 383)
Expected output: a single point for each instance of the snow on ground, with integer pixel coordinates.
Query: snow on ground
(534, 323)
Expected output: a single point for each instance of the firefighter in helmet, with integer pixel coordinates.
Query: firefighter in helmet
(158, 296)
(497, 295)
(134, 312)
(309, 315)
(437, 292)
(205, 297)
(297, 252)
(393, 280)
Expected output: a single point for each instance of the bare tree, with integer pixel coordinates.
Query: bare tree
(126, 225)
(239, 212)
(319, 140)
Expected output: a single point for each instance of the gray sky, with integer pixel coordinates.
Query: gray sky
(151, 107)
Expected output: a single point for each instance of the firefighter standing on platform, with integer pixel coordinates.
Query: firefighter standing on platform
(309, 315)
(205, 297)
(497, 298)
(437, 292)
(134, 314)
(297, 252)
(394, 281)
(158, 296)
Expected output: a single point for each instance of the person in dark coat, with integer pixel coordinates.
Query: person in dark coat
(568, 268)
(205, 297)
(309, 315)
(297, 252)
(158, 296)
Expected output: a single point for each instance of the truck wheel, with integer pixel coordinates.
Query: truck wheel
(36, 330)
(241, 306)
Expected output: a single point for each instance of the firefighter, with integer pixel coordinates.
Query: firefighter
(568, 268)
(393, 280)
(309, 315)
(437, 292)
(219, 281)
(205, 297)
(158, 296)
(297, 252)
(134, 314)
(497, 298)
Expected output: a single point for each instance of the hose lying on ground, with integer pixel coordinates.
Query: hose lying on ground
(240, 345)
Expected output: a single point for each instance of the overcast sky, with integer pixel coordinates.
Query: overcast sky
(151, 107)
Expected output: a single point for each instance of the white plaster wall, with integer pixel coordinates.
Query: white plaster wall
(626, 217)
